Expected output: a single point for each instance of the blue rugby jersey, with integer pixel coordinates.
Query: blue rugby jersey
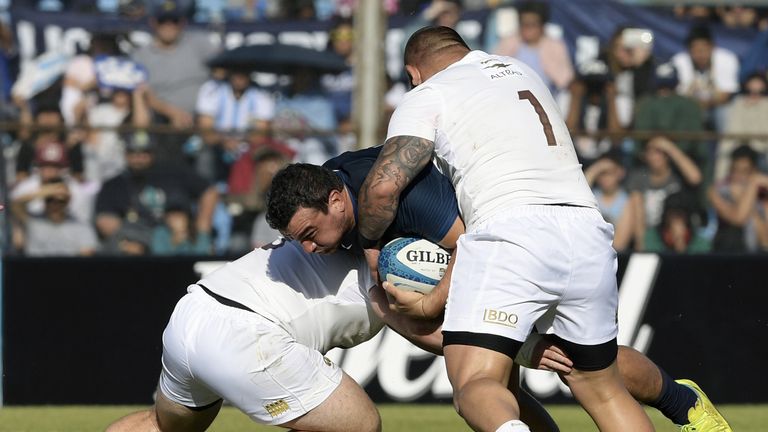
(428, 206)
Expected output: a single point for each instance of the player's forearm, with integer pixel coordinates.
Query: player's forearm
(401, 159)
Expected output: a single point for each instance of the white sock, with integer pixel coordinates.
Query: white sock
(513, 426)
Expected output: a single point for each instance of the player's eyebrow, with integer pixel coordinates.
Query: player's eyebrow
(303, 234)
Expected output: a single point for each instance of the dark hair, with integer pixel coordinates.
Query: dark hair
(681, 204)
(697, 32)
(534, 7)
(299, 185)
(745, 151)
(431, 40)
(754, 75)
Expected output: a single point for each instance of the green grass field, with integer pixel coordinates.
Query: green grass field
(397, 418)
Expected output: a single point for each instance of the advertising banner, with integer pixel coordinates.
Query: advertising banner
(88, 331)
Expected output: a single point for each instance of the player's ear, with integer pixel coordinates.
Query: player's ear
(413, 74)
(336, 199)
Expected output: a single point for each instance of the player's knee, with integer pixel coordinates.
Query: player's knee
(370, 421)
(465, 395)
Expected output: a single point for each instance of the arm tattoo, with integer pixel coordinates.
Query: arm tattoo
(400, 160)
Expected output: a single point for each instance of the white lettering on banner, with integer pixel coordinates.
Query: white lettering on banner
(388, 356)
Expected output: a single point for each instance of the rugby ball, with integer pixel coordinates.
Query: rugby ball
(413, 264)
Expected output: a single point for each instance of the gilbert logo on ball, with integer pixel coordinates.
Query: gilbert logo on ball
(413, 264)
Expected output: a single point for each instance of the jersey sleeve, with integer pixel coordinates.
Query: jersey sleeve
(417, 115)
(208, 98)
(428, 207)
(264, 108)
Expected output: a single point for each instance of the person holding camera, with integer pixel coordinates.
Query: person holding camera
(631, 65)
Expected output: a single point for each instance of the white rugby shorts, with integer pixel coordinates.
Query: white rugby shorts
(212, 351)
(512, 269)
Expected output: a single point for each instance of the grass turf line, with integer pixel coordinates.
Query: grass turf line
(395, 417)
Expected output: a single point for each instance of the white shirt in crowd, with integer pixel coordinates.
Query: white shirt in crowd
(216, 99)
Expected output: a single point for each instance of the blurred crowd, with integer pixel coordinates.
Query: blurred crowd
(168, 148)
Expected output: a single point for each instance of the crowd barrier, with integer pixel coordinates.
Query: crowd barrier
(88, 331)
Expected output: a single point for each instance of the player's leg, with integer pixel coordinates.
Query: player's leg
(479, 377)
(491, 308)
(167, 416)
(597, 385)
(585, 323)
(532, 413)
(651, 385)
(347, 409)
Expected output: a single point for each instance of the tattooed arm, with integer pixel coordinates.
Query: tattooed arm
(400, 160)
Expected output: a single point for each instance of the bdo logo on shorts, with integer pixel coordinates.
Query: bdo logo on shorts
(277, 408)
(492, 316)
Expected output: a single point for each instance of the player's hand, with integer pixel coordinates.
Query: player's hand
(409, 303)
(549, 357)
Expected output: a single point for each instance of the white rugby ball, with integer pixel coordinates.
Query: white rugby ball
(413, 264)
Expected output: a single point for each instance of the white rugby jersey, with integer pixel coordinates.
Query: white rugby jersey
(321, 300)
(498, 134)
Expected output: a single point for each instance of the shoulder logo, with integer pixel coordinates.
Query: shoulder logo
(499, 65)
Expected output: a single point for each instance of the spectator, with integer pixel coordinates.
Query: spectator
(48, 123)
(592, 109)
(738, 17)
(546, 55)
(248, 185)
(667, 111)
(632, 66)
(103, 149)
(708, 73)
(140, 194)
(605, 177)
(442, 13)
(650, 186)
(746, 115)
(677, 231)
(227, 109)
(176, 235)
(740, 203)
(304, 118)
(51, 161)
(55, 232)
(175, 61)
(78, 92)
(696, 12)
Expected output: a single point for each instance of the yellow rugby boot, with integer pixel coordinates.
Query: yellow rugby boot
(703, 417)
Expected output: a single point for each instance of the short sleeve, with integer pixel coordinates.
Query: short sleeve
(264, 107)
(208, 98)
(726, 71)
(417, 115)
